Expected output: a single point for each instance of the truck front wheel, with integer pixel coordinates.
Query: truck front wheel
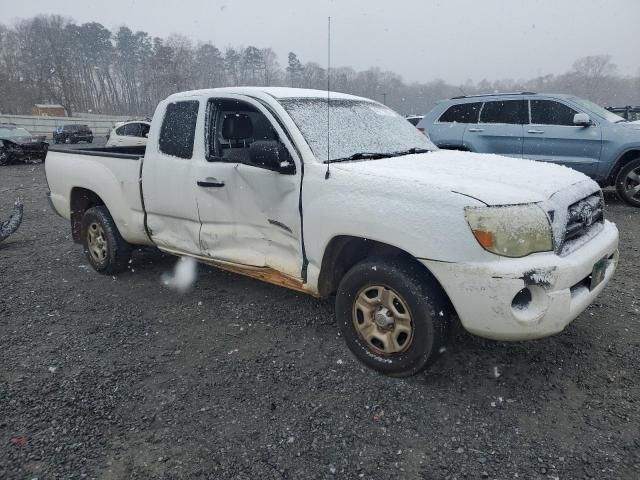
(628, 182)
(393, 315)
(105, 248)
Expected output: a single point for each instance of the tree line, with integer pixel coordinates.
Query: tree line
(88, 68)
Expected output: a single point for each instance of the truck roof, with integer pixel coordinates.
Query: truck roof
(275, 92)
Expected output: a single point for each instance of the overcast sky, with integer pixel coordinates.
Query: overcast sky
(422, 40)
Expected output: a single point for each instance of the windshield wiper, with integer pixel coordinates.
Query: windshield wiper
(361, 156)
(377, 155)
(411, 151)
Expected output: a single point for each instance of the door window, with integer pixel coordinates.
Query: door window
(233, 127)
(179, 128)
(463, 113)
(132, 130)
(504, 111)
(548, 112)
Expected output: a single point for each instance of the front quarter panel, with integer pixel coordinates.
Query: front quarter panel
(617, 140)
(425, 221)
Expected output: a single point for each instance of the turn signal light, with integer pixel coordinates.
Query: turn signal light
(484, 238)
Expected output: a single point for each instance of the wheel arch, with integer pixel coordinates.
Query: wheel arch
(623, 159)
(345, 251)
(81, 200)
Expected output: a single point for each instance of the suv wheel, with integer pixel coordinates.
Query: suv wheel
(628, 182)
(393, 315)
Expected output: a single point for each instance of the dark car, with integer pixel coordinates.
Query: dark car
(630, 114)
(18, 145)
(72, 133)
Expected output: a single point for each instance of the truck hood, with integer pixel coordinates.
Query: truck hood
(492, 179)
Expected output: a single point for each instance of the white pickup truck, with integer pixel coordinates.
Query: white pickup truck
(359, 205)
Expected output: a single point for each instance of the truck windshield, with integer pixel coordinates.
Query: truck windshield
(355, 126)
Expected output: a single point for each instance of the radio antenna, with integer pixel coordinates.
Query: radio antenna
(326, 175)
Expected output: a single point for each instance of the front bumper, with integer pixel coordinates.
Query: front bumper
(558, 289)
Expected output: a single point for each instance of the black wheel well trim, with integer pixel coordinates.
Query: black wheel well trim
(623, 159)
(345, 251)
(81, 200)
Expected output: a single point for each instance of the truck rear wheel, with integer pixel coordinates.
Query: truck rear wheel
(628, 183)
(394, 317)
(105, 248)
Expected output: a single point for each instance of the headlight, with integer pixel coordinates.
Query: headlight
(511, 231)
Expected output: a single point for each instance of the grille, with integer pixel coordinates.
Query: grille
(583, 217)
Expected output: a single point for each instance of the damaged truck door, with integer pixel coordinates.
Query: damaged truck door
(248, 203)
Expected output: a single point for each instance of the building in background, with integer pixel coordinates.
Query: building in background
(48, 110)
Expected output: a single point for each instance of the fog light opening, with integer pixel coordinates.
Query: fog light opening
(522, 300)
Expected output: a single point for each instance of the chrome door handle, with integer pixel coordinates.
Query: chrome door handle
(210, 182)
(475, 130)
(535, 131)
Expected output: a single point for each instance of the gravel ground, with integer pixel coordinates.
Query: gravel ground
(115, 378)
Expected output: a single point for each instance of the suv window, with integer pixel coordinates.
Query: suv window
(178, 129)
(130, 130)
(549, 112)
(504, 111)
(144, 129)
(463, 113)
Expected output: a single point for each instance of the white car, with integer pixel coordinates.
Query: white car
(129, 134)
(366, 208)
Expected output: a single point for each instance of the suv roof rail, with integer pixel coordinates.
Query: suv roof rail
(493, 95)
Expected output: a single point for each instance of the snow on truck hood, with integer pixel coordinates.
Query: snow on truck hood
(492, 179)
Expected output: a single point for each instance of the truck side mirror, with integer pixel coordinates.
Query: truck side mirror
(272, 155)
(581, 120)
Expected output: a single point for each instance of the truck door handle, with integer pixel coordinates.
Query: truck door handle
(210, 182)
(535, 131)
(476, 130)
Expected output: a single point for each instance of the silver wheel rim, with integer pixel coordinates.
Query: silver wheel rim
(97, 242)
(631, 184)
(382, 319)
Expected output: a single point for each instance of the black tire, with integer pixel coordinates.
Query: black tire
(427, 304)
(623, 182)
(113, 251)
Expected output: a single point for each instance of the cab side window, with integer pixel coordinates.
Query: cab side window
(548, 112)
(178, 129)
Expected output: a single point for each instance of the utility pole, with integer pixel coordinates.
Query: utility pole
(384, 98)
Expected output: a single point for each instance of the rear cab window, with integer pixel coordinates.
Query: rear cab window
(178, 129)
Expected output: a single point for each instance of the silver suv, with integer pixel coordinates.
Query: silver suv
(554, 128)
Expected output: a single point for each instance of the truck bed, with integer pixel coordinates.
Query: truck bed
(111, 173)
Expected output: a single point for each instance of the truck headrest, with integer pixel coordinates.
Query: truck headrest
(237, 126)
